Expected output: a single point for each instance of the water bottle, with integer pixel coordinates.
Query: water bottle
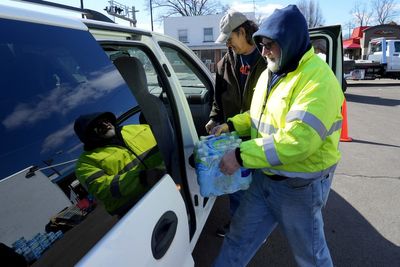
(35, 248)
(51, 237)
(28, 254)
(59, 234)
(20, 243)
(208, 154)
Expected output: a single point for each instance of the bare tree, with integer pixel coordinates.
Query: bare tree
(311, 12)
(348, 26)
(384, 10)
(186, 7)
(361, 14)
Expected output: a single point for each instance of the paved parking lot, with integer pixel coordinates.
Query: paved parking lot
(362, 216)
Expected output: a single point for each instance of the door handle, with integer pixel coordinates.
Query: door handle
(163, 234)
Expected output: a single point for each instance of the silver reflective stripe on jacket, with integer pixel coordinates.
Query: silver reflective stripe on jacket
(263, 127)
(270, 151)
(129, 166)
(94, 176)
(304, 175)
(152, 151)
(114, 187)
(336, 126)
(314, 122)
(135, 162)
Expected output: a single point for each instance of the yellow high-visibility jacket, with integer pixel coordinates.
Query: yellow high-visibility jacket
(296, 132)
(111, 173)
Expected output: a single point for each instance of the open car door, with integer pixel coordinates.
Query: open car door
(155, 232)
(327, 42)
(163, 234)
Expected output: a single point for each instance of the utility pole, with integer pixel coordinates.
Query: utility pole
(83, 16)
(151, 14)
(350, 25)
(133, 17)
(121, 11)
(254, 2)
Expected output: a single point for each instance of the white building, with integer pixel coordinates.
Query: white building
(199, 33)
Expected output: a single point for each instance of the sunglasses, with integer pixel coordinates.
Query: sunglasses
(268, 45)
(100, 124)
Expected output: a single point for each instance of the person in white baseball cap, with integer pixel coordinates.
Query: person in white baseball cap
(228, 23)
(236, 76)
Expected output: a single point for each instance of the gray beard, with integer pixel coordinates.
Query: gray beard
(273, 65)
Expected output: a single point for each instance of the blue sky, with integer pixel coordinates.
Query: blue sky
(333, 11)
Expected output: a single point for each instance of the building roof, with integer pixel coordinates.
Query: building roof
(354, 41)
(351, 44)
(358, 32)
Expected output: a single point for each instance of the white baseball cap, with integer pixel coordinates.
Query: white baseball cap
(228, 23)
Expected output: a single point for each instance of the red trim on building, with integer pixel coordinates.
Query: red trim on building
(354, 41)
(351, 44)
(358, 32)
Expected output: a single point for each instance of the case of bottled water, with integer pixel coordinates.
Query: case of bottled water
(208, 153)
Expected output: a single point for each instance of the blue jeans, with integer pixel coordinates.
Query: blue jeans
(234, 201)
(295, 204)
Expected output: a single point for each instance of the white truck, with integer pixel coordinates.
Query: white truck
(383, 61)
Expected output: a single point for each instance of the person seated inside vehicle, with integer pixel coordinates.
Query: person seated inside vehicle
(118, 164)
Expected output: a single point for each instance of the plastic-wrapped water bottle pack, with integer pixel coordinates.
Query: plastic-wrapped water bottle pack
(208, 153)
(32, 249)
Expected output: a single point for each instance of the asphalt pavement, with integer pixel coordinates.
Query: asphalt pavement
(362, 216)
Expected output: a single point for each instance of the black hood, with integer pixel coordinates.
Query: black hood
(84, 129)
(287, 27)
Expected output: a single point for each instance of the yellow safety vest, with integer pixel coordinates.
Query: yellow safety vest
(111, 173)
(297, 132)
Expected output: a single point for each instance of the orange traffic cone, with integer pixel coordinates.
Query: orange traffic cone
(344, 134)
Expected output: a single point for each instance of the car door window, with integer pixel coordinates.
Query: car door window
(330, 39)
(135, 61)
(397, 47)
(115, 52)
(320, 47)
(198, 90)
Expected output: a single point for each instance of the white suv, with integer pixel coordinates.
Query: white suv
(54, 69)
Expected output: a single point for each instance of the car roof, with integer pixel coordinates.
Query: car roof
(28, 15)
(114, 26)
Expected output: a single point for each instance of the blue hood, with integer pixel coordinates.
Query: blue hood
(287, 27)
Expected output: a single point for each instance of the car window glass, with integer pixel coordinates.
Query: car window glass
(48, 81)
(195, 85)
(376, 47)
(187, 74)
(151, 74)
(397, 47)
(320, 47)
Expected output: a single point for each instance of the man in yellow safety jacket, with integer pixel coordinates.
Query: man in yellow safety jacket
(118, 164)
(294, 123)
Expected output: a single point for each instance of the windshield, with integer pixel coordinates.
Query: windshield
(50, 76)
(375, 47)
